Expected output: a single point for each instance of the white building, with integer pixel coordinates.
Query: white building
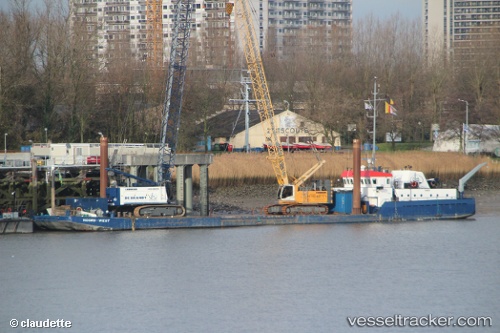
(229, 127)
(480, 139)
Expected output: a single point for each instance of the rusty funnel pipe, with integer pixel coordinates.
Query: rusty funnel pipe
(356, 195)
(103, 179)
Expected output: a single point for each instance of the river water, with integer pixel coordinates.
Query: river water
(256, 279)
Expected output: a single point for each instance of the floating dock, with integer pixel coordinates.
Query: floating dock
(129, 223)
(11, 223)
(405, 211)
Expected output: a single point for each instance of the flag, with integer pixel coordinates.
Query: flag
(390, 109)
(368, 106)
(60, 178)
(391, 102)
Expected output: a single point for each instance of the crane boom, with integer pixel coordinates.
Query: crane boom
(261, 91)
(155, 33)
(297, 197)
(172, 105)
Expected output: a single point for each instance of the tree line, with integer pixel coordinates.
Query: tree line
(51, 78)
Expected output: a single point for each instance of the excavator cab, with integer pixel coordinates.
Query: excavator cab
(293, 199)
(286, 192)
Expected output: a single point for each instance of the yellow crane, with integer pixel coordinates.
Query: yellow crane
(294, 197)
(154, 33)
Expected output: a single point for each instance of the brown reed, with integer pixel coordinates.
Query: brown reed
(239, 169)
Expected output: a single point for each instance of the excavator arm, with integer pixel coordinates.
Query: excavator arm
(302, 179)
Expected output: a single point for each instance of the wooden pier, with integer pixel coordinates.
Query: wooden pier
(30, 182)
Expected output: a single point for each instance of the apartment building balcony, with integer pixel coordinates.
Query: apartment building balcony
(341, 8)
(291, 25)
(111, 21)
(316, 9)
(316, 16)
(291, 16)
(291, 9)
(295, 11)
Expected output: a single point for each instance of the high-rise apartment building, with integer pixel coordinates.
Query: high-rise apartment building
(123, 27)
(292, 24)
(458, 27)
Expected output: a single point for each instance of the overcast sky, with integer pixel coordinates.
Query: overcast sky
(385, 8)
(379, 8)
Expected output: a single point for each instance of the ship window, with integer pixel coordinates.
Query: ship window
(374, 181)
(388, 181)
(350, 180)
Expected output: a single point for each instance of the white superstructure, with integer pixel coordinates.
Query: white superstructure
(381, 186)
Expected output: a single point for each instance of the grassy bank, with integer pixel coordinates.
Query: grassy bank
(238, 169)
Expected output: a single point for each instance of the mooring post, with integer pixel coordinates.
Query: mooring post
(356, 195)
(52, 190)
(204, 190)
(179, 171)
(34, 186)
(188, 181)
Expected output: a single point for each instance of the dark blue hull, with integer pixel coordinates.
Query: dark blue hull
(390, 211)
(428, 209)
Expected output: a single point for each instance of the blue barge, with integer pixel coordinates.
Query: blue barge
(389, 212)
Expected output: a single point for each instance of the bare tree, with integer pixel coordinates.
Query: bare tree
(18, 88)
(204, 95)
(53, 57)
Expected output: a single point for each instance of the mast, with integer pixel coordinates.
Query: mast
(374, 120)
(371, 105)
